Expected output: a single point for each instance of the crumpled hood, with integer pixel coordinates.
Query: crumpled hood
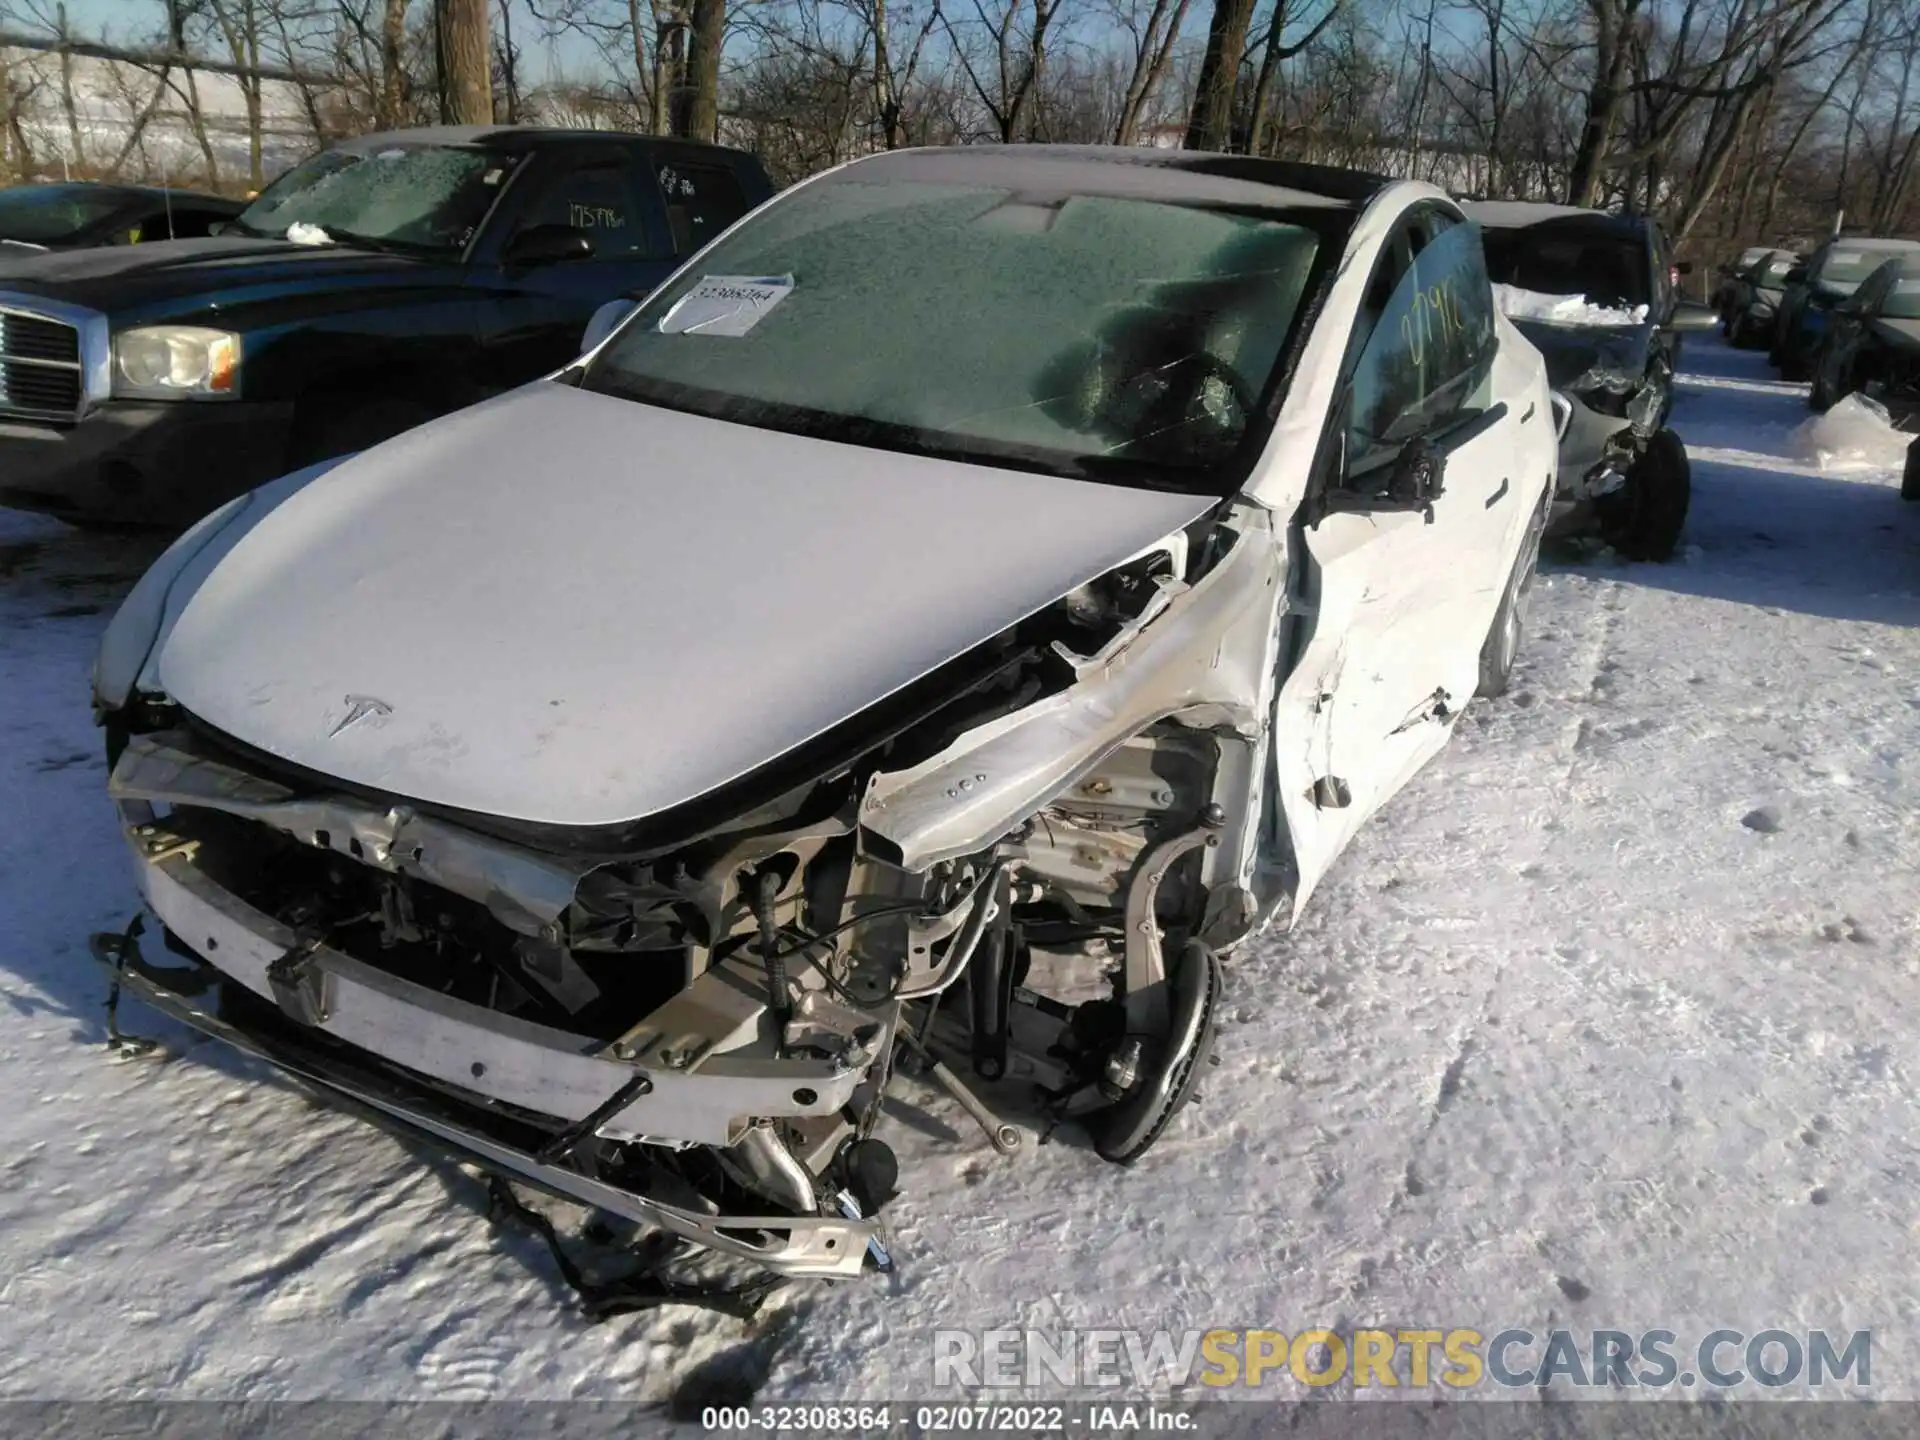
(1581, 358)
(567, 608)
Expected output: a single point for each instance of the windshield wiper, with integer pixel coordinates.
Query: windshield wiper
(380, 245)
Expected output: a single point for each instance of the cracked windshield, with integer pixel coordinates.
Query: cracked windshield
(419, 197)
(1085, 334)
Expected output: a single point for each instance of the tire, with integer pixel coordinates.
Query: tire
(1501, 649)
(1643, 519)
(1125, 1131)
(1820, 397)
(1910, 477)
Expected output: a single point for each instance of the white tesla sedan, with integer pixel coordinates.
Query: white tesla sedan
(978, 592)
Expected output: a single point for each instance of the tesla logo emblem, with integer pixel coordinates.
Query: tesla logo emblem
(360, 707)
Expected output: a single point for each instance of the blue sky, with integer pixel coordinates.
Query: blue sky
(128, 19)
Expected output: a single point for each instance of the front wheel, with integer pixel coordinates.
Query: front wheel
(1643, 518)
(1124, 1131)
(1501, 649)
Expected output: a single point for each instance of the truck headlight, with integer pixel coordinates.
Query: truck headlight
(176, 362)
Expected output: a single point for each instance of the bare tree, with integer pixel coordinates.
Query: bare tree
(1151, 39)
(464, 34)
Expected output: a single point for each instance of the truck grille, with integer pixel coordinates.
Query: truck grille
(40, 374)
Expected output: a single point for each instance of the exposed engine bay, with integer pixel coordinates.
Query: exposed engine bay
(693, 1024)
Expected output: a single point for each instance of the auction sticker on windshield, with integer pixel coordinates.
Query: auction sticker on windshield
(726, 304)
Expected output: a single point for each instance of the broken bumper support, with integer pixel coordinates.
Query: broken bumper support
(797, 1247)
(377, 1044)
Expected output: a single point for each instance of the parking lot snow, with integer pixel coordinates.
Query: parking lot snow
(1612, 1019)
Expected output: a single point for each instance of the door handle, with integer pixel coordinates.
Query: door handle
(1529, 415)
(1498, 495)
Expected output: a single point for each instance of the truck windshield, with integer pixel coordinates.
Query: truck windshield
(415, 197)
(1125, 339)
(48, 214)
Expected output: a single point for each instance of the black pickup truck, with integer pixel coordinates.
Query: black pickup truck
(371, 287)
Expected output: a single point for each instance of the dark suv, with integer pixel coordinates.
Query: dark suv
(371, 287)
(1833, 272)
(1595, 293)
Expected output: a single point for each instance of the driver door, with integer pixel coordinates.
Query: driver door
(1401, 598)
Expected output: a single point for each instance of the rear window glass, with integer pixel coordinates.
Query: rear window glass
(1606, 269)
(48, 214)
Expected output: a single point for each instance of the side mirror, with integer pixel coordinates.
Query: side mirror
(1692, 315)
(1419, 476)
(547, 245)
(604, 322)
(218, 227)
(1797, 275)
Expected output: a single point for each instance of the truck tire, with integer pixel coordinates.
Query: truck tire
(1643, 519)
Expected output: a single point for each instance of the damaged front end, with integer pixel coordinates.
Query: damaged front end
(1024, 867)
(1616, 395)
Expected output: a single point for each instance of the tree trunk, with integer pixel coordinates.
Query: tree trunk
(466, 62)
(250, 87)
(9, 169)
(1603, 103)
(1211, 124)
(669, 69)
(391, 107)
(1263, 86)
(886, 104)
(509, 63)
(76, 150)
(705, 37)
(1149, 65)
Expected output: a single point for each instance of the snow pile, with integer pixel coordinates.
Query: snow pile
(1518, 304)
(301, 233)
(1856, 435)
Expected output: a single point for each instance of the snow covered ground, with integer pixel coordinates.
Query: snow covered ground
(1611, 1019)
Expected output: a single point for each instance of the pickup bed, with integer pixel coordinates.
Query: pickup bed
(370, 288)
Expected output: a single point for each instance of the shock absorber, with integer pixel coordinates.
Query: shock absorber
(990, 987)
(766, 886)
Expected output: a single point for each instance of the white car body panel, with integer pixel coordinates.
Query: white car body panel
(650, 604)
(1402, 607)
(567, 608)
